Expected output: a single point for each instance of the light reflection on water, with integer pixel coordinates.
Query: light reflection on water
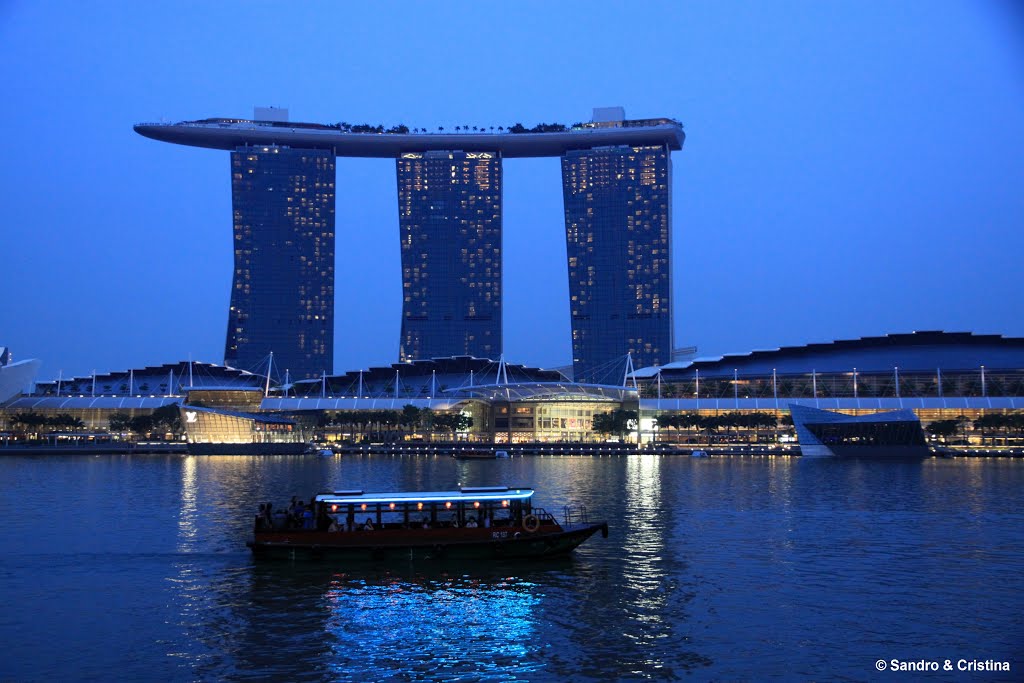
(187, 529)
(479, 626)
(720, 568)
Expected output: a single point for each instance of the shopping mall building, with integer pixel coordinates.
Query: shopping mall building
(938, 375)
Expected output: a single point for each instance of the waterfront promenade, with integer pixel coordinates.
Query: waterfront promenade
(466, 449)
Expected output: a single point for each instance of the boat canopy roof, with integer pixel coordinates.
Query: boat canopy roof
(470, 494)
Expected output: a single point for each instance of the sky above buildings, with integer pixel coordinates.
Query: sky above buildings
(850, 169)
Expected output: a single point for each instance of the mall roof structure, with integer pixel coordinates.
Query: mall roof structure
(548, 391)
(910, 352)
(421, 378)
(172, 379)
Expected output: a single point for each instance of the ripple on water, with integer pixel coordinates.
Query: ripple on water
(723, 569)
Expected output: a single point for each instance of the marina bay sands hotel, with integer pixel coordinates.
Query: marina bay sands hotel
(617, 191)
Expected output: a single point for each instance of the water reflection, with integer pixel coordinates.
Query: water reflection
(644, 534)
(900, 559)
(187, 510)
(436, 624)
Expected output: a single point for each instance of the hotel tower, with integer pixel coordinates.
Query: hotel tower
(616, 185)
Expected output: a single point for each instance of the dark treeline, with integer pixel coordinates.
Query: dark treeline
(621, 422)
(991, 426)
(36, 422)
(393, 424)
(160, 422)
(709, 425)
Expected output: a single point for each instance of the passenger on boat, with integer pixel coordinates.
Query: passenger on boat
(334, 525)
(268, 517)
(368, 525)
(426, 522)
(487, 521)
(295, 516)
(471, 524)
(280, 520)
(261, 517)
(307, 518)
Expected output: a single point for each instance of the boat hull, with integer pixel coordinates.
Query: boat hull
(441, 544)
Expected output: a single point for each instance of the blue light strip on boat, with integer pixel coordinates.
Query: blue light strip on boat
(437, 497)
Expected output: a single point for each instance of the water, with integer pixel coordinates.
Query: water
(135, 568)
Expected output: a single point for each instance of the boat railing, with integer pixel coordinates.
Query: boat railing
(575, 514)
(544, 516)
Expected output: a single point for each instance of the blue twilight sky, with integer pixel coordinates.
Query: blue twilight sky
(851, 168)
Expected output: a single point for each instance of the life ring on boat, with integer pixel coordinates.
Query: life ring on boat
(531, 523)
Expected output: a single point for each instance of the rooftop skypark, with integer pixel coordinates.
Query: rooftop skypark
(402, 129)
(366, 140)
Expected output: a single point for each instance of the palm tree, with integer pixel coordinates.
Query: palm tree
(664, 421)
(962, 422)
(120, 422)
(410, 417)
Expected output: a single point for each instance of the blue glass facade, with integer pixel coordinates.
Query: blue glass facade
(449, 214)
(282, 296)
(618, 228)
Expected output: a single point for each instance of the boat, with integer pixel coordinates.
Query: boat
(471, 523)
(698, 454)
(477, 453)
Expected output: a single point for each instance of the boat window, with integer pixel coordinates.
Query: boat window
(501, 516)
(392, 519)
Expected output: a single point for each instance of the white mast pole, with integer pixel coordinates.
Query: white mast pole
(270, 367)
